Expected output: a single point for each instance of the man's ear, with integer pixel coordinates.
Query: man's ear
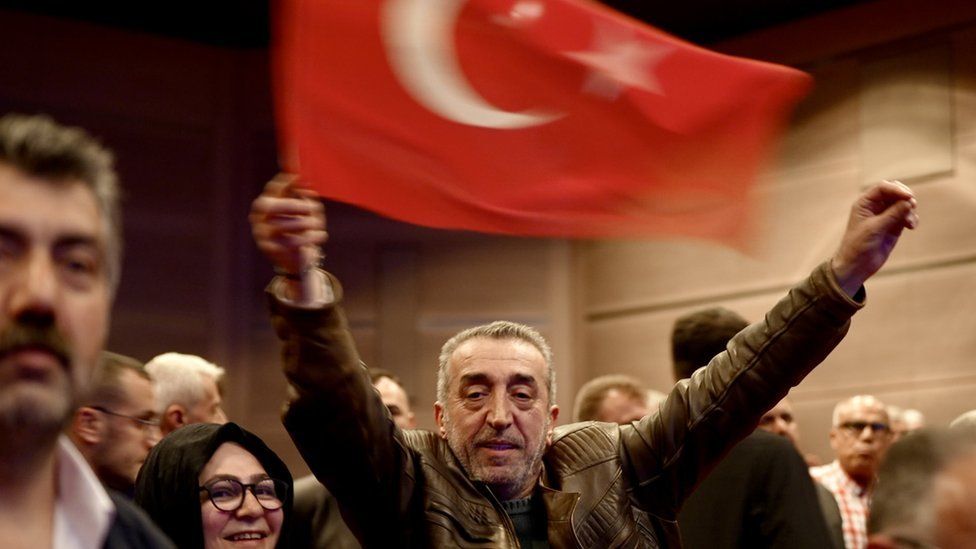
(553, 415)
(439, 418)
(834, 438)
(88, 426)
(173, 418)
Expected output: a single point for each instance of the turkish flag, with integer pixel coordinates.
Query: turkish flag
(530, 117)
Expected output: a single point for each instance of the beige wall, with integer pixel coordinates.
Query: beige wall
(903, 108)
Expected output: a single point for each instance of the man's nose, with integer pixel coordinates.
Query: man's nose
(34, 287)
(499, 412)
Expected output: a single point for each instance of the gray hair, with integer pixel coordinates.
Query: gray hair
(500, 329)
(40, 147)
(178, 379)
(862, 400)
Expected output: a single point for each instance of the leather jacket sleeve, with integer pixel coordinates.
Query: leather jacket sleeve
(338, 422)
(667, 454)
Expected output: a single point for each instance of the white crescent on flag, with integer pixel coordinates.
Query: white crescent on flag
(418, 36)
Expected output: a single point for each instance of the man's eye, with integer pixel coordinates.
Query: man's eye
(79, 264)
(474, 395)
(521, 395)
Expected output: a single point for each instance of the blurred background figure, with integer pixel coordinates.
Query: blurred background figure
(117, 424)
(965, 424)
(780, 421)
(317, 522)
(611, 398)
(760, 495)
(860, 436)
(926, 495)
(394, 397)
(188, 390)
(904, 421)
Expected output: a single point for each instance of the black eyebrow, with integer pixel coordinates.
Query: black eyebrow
(474, 379)
(73, 240)
(522, 379)
(257, 477)
(514, 379)
(68, 240)
(10, 233)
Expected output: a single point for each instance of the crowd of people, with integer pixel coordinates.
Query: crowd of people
(100, 450)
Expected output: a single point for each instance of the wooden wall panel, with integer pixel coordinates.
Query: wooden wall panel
(913, 344)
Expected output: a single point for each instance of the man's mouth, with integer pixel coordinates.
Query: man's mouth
(246, 536)
(34, 362)
(498, 445)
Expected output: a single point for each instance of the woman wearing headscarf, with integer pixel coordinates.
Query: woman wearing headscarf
(211, 486)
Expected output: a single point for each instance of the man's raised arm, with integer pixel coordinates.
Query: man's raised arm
(706, 415)
(334, 415)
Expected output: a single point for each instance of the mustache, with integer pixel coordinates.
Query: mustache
(493, 438)
(28, 334)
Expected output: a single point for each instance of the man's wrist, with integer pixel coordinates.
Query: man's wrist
(285, 273)
(846, 277)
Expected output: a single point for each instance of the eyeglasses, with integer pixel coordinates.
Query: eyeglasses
(148, 425)
(227, 494)
(858, 427)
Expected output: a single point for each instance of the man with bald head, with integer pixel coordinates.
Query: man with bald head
(860, 436)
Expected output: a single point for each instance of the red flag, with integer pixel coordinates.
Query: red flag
(531, 117)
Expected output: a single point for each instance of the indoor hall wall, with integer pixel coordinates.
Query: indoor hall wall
(192, 129)
(913, 345)
(192, 132)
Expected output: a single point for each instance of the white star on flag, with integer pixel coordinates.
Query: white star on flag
(618, 61)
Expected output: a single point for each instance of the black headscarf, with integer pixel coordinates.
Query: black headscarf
(168, 484)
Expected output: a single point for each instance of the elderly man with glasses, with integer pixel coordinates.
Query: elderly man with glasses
(860, 436)
(117, 425)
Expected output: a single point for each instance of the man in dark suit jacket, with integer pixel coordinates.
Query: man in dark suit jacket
(761, 494)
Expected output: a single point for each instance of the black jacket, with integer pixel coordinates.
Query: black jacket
(132, 529)
(760, 495)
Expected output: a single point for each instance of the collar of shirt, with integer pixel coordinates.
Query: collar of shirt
(833, 473)
(83, 511)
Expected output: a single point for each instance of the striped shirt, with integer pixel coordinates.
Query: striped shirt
(853, 502)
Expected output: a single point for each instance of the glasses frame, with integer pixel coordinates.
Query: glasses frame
(878, 427)
(281, 497)
(147, 425)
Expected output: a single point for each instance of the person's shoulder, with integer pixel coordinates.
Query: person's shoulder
(133, 528)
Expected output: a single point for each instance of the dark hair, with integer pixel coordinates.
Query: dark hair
(168, 484)
(105, 389)
(697, 337)
(40, 147)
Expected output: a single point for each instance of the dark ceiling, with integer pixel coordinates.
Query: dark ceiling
(244, 23)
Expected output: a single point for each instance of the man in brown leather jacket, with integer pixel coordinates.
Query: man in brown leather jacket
(499, 473)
